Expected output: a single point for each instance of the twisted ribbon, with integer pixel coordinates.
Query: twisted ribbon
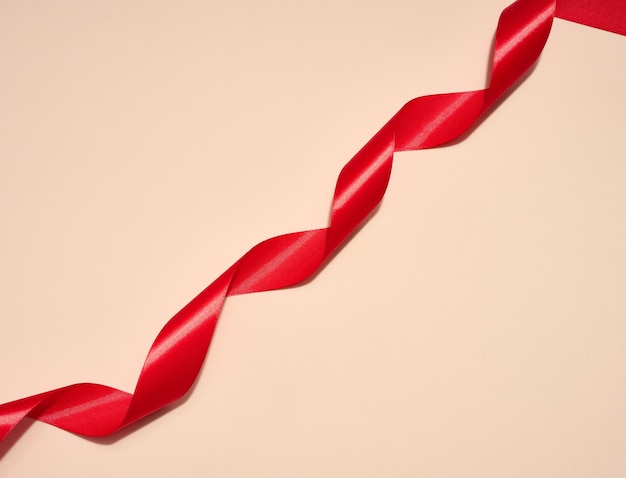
(175, 358)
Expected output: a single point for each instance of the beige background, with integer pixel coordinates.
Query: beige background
(474, 328)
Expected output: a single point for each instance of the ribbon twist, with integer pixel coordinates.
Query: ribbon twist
(175, 358)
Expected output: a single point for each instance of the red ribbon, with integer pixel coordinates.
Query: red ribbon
(178, 352)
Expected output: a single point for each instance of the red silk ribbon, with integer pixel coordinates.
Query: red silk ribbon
(175, 358)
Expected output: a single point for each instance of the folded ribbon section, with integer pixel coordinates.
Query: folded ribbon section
(175, 358)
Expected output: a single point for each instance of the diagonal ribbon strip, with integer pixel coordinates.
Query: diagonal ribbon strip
(175, 358)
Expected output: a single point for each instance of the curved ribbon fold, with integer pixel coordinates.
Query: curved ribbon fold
(177, 354)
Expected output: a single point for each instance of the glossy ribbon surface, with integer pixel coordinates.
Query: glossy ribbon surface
(175, 358)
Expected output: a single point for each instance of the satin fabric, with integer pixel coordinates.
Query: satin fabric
(175, 358)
